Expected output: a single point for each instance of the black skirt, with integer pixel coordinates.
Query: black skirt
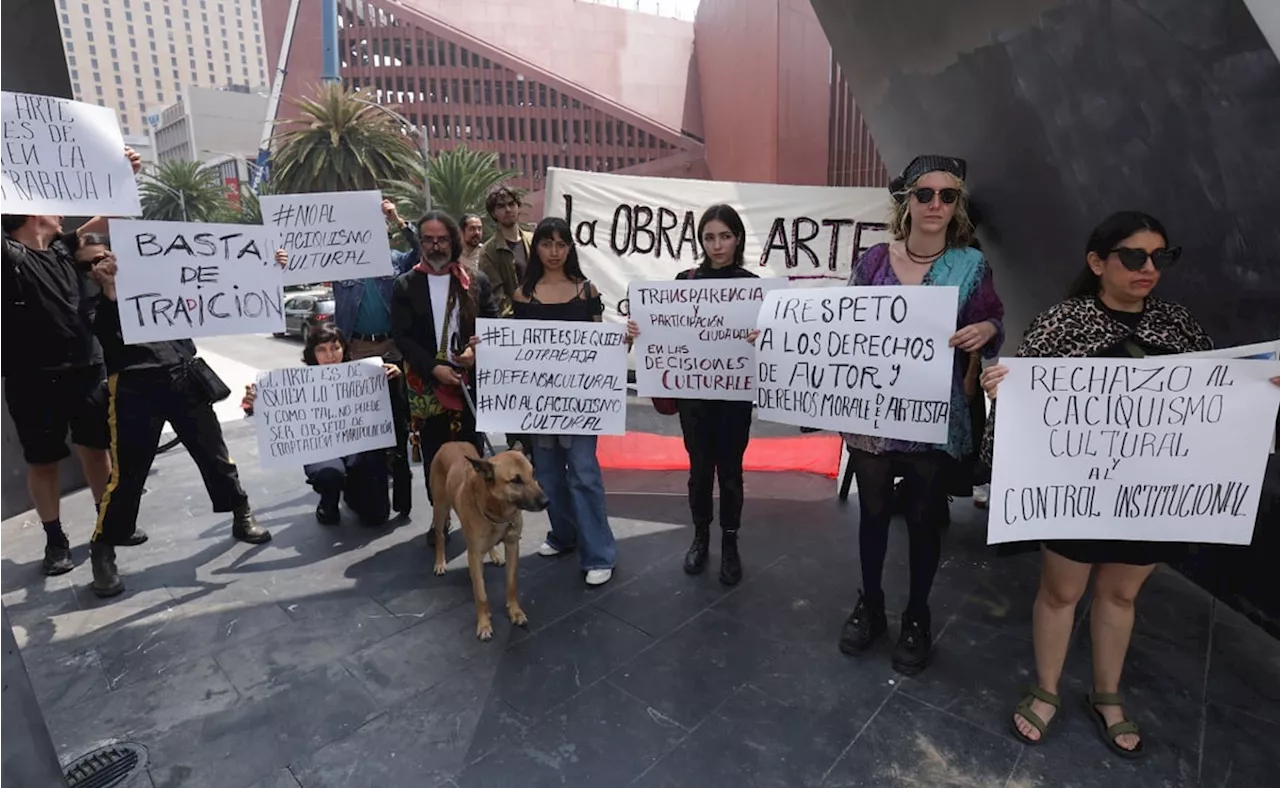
(1114, 551)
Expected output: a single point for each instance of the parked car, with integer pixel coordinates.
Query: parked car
(301, 312)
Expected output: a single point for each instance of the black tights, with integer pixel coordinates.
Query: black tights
(926, 512)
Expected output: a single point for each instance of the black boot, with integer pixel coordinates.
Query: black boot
(136, 538)
(915, 644)
(57, 559)
(730, 561)
(106, 579)
(245, 527)
(327, 510)
(402, 490)
(866, 623)
(696, 559)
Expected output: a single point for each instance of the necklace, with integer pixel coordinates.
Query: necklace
(922, 258)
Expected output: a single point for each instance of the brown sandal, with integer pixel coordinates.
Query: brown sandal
(1024, 711)
(1110, 733)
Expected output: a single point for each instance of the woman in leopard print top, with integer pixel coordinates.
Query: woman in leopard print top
(1110, 314)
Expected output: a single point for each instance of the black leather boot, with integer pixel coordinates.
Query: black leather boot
(136, 538)
(245, 527)
(696, 559)
(327, 510)
(106, 578)
(864, 625)
(57, 559)
(915, 644)
(730, 561)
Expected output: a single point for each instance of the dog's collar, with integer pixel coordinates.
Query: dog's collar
(508, 522)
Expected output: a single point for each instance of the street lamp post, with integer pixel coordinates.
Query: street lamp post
(182, 198)
(424, 145)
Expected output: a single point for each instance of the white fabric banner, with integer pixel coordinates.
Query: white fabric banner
(636, 228)
(181, 280)
(329, 235)
(551, 377)
(865, 360)
(64, 158)
(693, 337)
(1161, 449)
(322, 412)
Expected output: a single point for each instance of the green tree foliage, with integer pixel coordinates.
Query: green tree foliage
(173, 185)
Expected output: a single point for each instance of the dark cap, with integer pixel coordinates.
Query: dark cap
(925, 164)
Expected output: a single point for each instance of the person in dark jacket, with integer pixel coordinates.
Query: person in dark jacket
(149, 384)
(716, 432)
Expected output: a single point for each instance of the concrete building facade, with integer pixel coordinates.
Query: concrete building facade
(134, 56)
(746, 91)
(208, 123)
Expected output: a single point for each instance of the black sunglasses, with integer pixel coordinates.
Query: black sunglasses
(1135, 259)
(924, 195)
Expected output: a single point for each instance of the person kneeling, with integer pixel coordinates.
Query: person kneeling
(362, 477)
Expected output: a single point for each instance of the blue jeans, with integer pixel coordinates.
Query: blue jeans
(568, 472)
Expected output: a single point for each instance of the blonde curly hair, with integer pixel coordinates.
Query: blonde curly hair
(959, 231)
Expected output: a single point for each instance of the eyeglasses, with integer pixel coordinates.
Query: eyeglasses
(1135, 259)
(435, 240)
(924, 195)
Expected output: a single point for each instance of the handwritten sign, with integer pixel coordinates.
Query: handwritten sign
(180, 280)
(64, 158)
(864, 360)
(693, 337)
(551, 377)
(1154, 449)
(329, 236)
(309, 414)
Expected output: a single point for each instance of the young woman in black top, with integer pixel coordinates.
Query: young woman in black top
(566, 467)
(715, 431)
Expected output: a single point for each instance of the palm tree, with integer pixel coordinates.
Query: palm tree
(178, 191)
(339, 144)
(461, 179)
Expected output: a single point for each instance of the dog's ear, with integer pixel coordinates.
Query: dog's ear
(483, 467)
(518, 447)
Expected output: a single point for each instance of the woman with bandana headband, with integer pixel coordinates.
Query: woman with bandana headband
(931, 232)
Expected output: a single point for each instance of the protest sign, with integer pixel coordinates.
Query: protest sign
(322, 412)
(1160, 449)
(693, 337)
(631, 227)
(865, 360)
(64, 158)
(329, 235)
(551, 377)
(181, 280)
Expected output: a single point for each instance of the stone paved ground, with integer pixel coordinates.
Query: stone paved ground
(332, 657)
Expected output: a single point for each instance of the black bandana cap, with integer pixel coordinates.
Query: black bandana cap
(925, 164)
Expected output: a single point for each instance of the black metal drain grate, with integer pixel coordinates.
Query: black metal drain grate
(107, 767)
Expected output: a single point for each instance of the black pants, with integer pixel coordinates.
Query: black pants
(139, 403)
(715, 435)
(925, 476)
(441, 429)
(359, 478)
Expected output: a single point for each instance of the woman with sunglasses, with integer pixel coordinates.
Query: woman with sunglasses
(1109, 313)
(931, 247)
(554, 288)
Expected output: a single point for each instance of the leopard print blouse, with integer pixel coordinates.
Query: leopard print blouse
(1081, 328)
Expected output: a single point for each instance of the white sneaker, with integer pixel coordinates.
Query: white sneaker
(547, 551)
(598, 577)
(981, 495)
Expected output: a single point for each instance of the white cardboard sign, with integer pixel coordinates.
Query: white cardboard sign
(329, 235)
(314, 413)
(551, 377)
(693, 337)
(64, 158)
(1161, 449)
(862, 360)
(181, 280)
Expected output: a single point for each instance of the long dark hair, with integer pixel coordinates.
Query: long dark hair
(1107, 236)
(555, 228)
(319, 335)
(733, 221)
(455, 234)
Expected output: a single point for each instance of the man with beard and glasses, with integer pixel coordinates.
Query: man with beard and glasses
(54, 380)
(433, 322)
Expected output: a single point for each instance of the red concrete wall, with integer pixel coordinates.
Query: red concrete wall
(804, 95)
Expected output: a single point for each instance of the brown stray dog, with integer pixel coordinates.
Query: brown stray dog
(490, 497)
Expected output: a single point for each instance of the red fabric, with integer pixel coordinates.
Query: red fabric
(644, 451)
(455, 269)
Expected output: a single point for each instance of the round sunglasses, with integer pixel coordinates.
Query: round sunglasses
(1135, 259)
(924, 195)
